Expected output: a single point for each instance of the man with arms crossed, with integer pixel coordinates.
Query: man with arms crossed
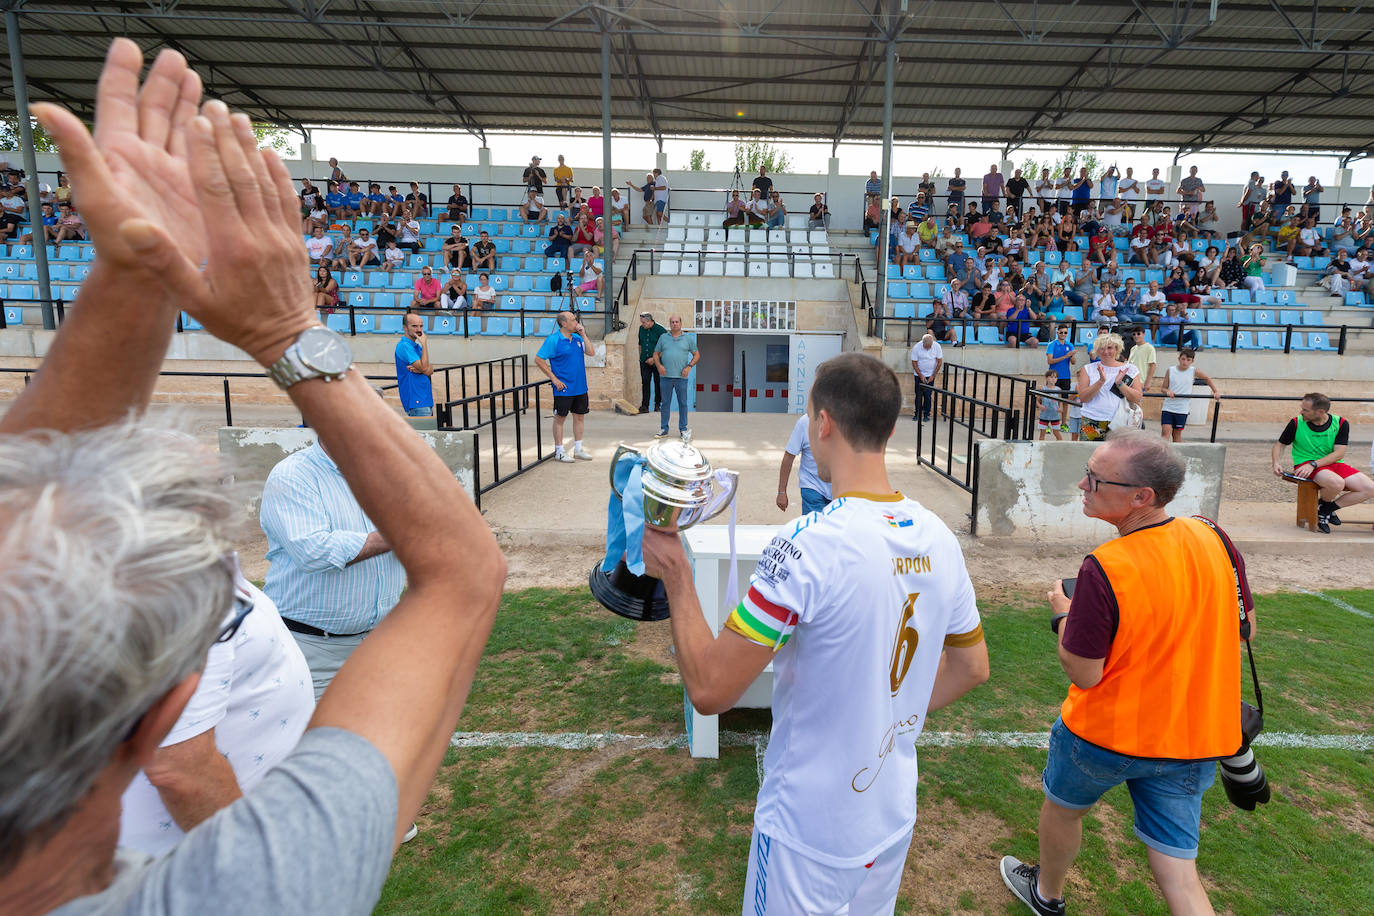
(874, 590)
(1319, 439)
(1151, 643)
(413, 369)
(132, 525)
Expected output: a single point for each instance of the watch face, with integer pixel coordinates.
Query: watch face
(324, 351)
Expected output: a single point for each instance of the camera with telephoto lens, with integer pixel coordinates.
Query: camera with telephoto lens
(1241, 774)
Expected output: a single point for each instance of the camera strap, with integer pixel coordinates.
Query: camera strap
(1240, 604)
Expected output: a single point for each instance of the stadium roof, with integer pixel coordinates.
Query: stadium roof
(1279, 74)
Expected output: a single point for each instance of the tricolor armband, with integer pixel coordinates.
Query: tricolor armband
(761, 621)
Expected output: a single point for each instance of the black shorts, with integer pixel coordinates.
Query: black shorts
(1063, 383)
(562, 403)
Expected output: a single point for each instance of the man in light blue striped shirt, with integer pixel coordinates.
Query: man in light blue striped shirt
(333, 575)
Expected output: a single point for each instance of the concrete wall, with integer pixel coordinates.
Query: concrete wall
(250, 453)
(1029, 490)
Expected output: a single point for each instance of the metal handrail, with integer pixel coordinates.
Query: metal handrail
(515, 402)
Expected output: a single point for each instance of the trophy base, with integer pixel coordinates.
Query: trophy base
(622, 592)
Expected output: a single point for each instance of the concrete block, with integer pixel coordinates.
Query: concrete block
(1030, 489)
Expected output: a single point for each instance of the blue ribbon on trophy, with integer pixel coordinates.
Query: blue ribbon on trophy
(625, 514)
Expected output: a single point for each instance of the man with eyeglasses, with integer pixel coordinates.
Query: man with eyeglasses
(1150, 640)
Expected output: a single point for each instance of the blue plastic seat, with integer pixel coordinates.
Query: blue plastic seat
(522, 283)
(1285, 297)
(534, 263)
(510, 230)
(1313, 317)
(925, 309)
(555, 264)
(337, 322)
(433, 243)
(1073, 313)
(534, 303)
(388, 324)
(512, 302)
(417, 261)
(511, 264)
(1219, 340)
(499, 282)
(927, 255)
(1269, 340)
(897, 290)
(911, 272)
(57, 272)
(1318, 340)
(13, 316)
(541, 327)
(1074, 257)
(80, 272)
(443, 324)
(383, 300)
(1218, 316)
(1302, 263)
(1242, 316)
(22, 291)
(1356, 298)
(359, 299)
(364, 322)
(543, 284)
(1086, 336)
(988, 334)
(492, 327)
(376, 279)
(1243, 341)
(531, 230)
(919, 291)
(21, 252)
(401, 280)
(503, 246)
(894, 272)
(1195, 316)
(905, 309)
(187, 322)
(1321, 263)
(1032, 257)
(1239, 296)
(1262, 316)
(352, 279)
(586, 304)
(1052, 258)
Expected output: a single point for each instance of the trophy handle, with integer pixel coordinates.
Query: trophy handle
(722, 503)
(615, 460)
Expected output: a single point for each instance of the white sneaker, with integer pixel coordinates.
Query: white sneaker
(411, 834)
(563, 457)
(581, 454)
(661, 434)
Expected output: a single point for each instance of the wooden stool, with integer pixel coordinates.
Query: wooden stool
(1307, 501)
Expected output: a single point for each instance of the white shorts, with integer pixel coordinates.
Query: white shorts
(782, 882)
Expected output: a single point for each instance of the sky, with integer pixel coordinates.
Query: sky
(583, 153)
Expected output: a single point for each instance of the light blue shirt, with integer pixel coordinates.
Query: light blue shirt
(314, 526)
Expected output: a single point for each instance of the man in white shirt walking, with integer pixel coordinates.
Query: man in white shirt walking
(815, 493)
(926, 357)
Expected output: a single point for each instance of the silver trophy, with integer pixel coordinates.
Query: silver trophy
(680, 490)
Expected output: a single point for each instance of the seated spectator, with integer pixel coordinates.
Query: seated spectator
(455, 248)
(873, 190)
(1319, 440)
(1209, 265)
(560, 238)
(1057, 302)
(70, 226)
(417, 202)
(532, 210)
(1201, 287)
(873, 214)
(363, 251)
(342, 255)
(938, 325)
(1309, 240)
(1020, 328)
(1361, 269)
(982, 304)
(1004, 300)
(336, 202)
(600, 236)
(1104, 308)
(919, 209)
(596, 204)
(734, 211)
(1128, 302)
(395, 202)
(1099, 245)
(575, 204)
(944, 244)
(410, 235)
(777, 211)
(1152, 303)
(926, 231)
(326, 290)
(819, 216)
(1254, 266)
(1171, 323)
(427, 289)
(48, 221)
(454, 295)
(484, 253)
(756, 211)
(309, 194)
(1176, 287)
(584, 238)
(1336, 279)
(1016, 244)
(954, 301)
(386, 233)
(374, 203)
(1208, 222)
(317, 216)
(392, 256)
(589, 275)
(1037, 286)
(319, 247)
(620, 210)
(457, 204)
(355, 198)
(981, 227)
(907, 248)
(1142, 245)
(484, 296)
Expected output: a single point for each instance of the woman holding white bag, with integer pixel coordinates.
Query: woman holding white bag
(1110, 390)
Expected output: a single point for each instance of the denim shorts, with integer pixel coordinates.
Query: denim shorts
(813, 500)
(1167, 794)
(419, 411)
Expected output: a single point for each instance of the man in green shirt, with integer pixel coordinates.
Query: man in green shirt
(1319, 439)
(675, 354)
(649, 333)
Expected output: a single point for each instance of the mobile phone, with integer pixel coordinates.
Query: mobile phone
(1067, 585)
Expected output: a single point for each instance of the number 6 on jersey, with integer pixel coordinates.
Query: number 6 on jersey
(904, 646)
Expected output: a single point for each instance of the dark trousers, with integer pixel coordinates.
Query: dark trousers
(925, 395)
(648, 375)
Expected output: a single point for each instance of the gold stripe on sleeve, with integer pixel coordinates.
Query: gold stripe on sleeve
(964, 640)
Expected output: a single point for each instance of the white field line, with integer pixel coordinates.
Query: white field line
(1342, 604)
(581, 741)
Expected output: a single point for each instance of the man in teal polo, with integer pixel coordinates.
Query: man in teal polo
(1319, 439)
(674, 356)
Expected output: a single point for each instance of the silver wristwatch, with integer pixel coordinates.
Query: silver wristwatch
(317, 353)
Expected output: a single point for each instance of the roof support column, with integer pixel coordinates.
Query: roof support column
(885, 229)
(21, 106)
(608, 256)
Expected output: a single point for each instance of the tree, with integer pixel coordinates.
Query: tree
(277, 139)
(696, 161)
(1073, 159)
(9, 135)
(752, 155)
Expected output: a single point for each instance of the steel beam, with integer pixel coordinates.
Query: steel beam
(608, 255)
(35, 210)
(885, 229)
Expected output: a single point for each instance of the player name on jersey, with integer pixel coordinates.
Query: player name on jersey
(902, 566)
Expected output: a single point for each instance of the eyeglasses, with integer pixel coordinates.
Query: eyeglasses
(1094, 481)
(243, 606)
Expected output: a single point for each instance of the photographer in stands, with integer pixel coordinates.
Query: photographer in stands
(1149, 635)
(115, 575)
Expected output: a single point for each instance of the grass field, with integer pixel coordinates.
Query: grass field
(624, 829)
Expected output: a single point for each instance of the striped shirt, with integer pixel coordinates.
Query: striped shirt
(314, 527)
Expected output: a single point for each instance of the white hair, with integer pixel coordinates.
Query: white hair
(113, 586)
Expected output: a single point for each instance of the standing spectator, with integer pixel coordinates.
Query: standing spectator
(336, 175)
(815, 493)
(560, 238)
(1063, 191)
(319, 247)
(1050, 417)
(1154, 190)
(1154, 713)
(993, 183)
(455, 291)
(646, 191)
(563, 179)
(562, 357)
(1081, 192)
(1017, 188)
(534, 177)
(649, 333)
(1176, 382)
(484, 253)
(1129, 190)
(1319, 439)
(1250, 198)
(1060, 356)
(954, 189)
(427, 288)
(1103, 384)
(457, 204)
(926, 358)
(1190, 191)
(1283, 192)
(1142, 356)
(873, 189)
(1107, 185)
(819, 217)
(455, 248)
(675, 354)
(1044, 191)
(927, 187)
(1312, 198)
(248, 712)
(763, 184)
(661, 194)
(309, 195)
(413, 369)
(417, 201)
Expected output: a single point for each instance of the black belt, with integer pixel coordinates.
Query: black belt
(305, 629)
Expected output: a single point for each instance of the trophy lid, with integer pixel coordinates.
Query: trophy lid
(678, 460)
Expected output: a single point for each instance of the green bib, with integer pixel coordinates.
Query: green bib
(1309, 445)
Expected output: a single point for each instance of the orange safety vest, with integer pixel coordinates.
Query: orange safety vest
(1170, 684)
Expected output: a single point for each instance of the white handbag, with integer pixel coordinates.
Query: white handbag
(1127, 416)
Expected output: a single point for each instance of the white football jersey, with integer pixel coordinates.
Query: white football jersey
(860, 600)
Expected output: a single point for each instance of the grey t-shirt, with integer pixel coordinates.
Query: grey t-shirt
(314, 837)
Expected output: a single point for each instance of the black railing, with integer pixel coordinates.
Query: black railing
(976, 418)
(487, 411)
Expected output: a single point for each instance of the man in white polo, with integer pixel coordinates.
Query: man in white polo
(926, 358)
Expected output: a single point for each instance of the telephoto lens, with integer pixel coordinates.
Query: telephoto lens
(1244, 781)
